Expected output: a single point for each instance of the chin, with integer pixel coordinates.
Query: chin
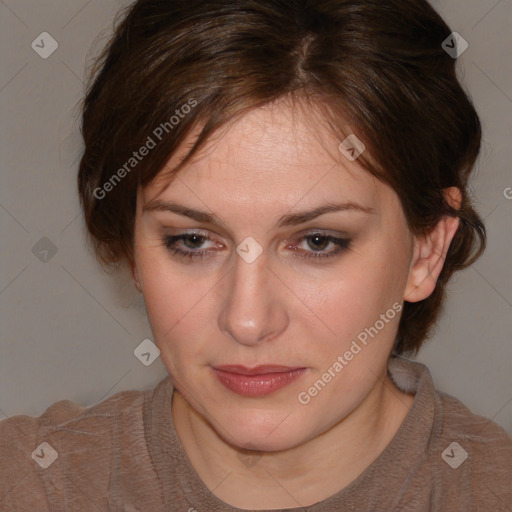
(262, 444)
(263, 433)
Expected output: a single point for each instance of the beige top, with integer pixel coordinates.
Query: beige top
(123, 454)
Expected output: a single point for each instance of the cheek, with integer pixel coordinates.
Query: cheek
(351, 303)
(179, 306)
(355, 291)
(169, 296)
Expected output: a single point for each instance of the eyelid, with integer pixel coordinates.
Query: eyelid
(342, 244)
(200, 233)
(302, 234)
(319, 231)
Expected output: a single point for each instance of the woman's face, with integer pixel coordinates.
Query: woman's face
(257, 287)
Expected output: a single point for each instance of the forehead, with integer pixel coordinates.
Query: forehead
(279, 154)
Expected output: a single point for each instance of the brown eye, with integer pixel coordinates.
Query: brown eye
(318, 242)
(190, 242)
(197, 240)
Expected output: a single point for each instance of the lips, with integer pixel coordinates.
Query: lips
(257, 381)
(257, 370)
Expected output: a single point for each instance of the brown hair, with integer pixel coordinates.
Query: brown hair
(377, 65)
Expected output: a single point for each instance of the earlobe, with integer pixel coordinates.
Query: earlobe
(430, 253)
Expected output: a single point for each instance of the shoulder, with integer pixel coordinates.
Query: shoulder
(459, 418)
(480, 434)
(42, 454)
(474, 455)
(463, 461)
(66, 416)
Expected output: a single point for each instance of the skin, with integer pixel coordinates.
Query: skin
(282, 308)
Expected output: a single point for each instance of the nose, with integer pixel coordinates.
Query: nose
(253, 309)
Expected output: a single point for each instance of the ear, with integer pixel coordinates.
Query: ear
(430, 252)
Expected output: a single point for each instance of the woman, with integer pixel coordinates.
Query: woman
(288, 182)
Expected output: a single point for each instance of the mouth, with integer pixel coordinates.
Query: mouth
(258, 381)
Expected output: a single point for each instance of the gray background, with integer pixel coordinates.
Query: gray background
(69, 330)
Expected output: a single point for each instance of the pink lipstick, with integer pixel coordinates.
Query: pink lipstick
(258, 381)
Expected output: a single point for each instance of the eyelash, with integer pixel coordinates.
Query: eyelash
(170, 241)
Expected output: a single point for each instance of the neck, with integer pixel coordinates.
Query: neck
(264, 480)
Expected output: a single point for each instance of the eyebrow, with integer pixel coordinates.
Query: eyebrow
(293, 219)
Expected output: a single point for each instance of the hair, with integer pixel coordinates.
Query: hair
(376, 66)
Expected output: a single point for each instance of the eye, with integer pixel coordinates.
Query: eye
(191, 242)
(319, 241)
